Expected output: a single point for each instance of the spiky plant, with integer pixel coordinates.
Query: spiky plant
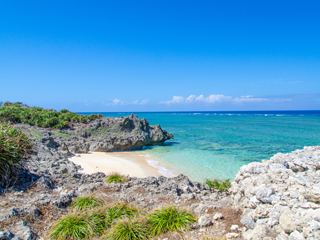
(128, 229)
(76, 226)
(169, 219)
(14, 148)
(89, 202)
(98, 219)
(221, 185)
(116, 177)
(119, 211)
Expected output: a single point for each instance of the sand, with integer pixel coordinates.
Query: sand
(127, 163)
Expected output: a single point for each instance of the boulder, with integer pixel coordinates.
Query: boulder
(218, 216)
(296, 235)
(286, 222)
(204, 221)
(22, 231)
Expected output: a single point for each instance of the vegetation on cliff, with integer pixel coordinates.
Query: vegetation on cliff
(14, 147)
(116, 177)
(36, 116)
(221, 185)
(120, 221)
(82, 203)
(169, 219)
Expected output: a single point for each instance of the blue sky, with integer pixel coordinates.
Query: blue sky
(161, 55)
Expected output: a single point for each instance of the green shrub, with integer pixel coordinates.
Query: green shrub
(78, 226)
(89, 202)
(97, 218)
(21, 113)
(169, 219)
(64, 110)
(221, 185)
(116, 177)
(119, 211)
(14, 148)
(128, 229)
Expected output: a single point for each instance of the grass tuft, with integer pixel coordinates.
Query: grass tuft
(116, 177)
(169, 219)
(77, 226)
(89, 202)
(128, 229)
(221, 185)
(14, 149)
(118, 211)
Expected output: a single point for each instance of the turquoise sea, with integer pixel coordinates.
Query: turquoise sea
(216, 144)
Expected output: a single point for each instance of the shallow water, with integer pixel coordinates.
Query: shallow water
(216, 144)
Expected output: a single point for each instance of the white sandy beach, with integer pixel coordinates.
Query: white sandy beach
(127, 163)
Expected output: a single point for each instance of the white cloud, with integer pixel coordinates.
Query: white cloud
(115, 102)
(250, 99)
(247, 96)
(119, 102)
(191, 98)
(136, 102)
(144, 102)
(197, 99)
(175, 99)
(218, 98)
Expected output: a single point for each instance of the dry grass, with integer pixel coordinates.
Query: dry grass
(172, 236)
(231, 217)
(188, 236)
(189, 203)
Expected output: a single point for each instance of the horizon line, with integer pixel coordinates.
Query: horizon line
(204, 111)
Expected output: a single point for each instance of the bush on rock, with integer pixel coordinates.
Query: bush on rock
(89, 202)
(116, 177)
(129, 229)
(77, 226)
(14, 148)
(170, 219)
(36, 116)
(221, 185)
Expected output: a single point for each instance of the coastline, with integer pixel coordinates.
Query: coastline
(135, 164)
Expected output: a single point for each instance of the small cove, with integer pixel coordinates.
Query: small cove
(216, 144)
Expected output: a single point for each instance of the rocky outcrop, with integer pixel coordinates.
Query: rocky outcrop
(116, 134)
(281, 197)
(105, 134)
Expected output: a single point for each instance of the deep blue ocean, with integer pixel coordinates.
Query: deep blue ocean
(216, 144)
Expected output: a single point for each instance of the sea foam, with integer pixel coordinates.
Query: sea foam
(164, 171)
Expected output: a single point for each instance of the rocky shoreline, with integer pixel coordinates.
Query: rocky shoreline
(281, 197)
(276, 199)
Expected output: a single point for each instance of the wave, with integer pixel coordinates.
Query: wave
(164, 171)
